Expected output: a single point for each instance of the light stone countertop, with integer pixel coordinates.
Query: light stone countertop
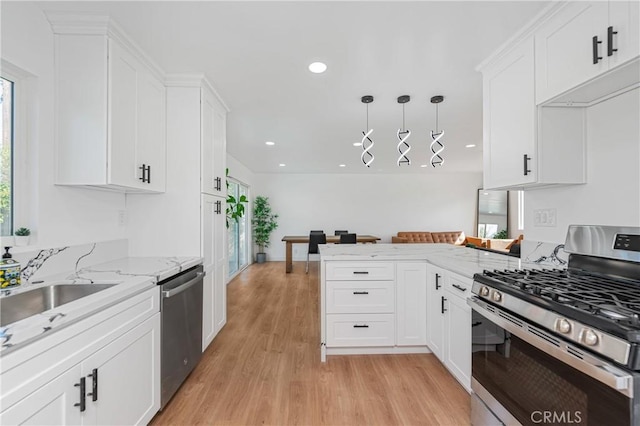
(131, 275)
(462, 260)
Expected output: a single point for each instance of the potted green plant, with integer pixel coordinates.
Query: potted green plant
(235, 208)
(264, 222)
(21, 236)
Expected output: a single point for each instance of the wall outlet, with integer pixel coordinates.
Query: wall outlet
(122, 217)
(544, 217)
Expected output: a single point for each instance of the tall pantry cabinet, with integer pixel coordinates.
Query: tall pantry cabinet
(191, 214)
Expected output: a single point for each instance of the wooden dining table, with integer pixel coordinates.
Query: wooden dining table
(290, 240)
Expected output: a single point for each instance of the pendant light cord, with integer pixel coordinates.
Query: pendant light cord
(436, 118)
(403, 125)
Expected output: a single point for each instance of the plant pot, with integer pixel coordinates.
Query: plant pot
(21, 240)
(261, 257)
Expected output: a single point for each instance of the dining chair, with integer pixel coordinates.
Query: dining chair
(348, 238)
(340, 232)
(317, 232)
(314, 240)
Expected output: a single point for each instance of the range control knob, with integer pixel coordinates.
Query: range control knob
(484, 291)
(589, 337)
(497, 296)
(563, 325)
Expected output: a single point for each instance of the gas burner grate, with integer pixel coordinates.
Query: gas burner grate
(612, 298)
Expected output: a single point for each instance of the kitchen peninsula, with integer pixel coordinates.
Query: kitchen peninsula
(402, 298)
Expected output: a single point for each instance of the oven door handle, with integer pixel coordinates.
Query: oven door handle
(170, 293)
(596, 368)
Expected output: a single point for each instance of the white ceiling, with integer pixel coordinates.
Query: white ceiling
(257, 53)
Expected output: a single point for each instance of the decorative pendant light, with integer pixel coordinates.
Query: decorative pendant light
(436, 146)
(403, 135)
(367, 144)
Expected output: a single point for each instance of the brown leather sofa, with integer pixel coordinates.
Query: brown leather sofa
(449, 237)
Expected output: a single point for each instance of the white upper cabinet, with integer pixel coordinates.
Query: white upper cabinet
(110, 109)
(510, 119)
(582, 41)
(214, 147)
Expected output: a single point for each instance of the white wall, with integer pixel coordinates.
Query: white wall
(58, 215)
(611, 195)
(379, 204)
(239, 171)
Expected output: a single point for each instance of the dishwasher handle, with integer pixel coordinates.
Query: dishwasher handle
(170, 293)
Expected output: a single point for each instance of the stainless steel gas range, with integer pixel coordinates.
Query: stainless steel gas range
(561, 346)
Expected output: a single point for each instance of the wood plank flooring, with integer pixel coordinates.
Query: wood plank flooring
(264, 368)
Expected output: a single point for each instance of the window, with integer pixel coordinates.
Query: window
(237, 233)
(6, 157)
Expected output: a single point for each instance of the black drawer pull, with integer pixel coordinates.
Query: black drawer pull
(360, 326)
(442, 309)
(594, 44)
(94, 385)
(462, 289)
(82, 404)
(361, 272)
(610, 48)
(438, 281)
(360, 292)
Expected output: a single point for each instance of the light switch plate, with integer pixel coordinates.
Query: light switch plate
(544, 217)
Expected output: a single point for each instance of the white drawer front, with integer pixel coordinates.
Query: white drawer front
(344, 330)
(360, 271)
(351, 297)
(459, 285)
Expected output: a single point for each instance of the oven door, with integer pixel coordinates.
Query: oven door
(522, 374)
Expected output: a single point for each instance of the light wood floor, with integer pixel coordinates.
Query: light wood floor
(264, 368)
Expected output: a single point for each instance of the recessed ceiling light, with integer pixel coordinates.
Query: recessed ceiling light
(269, 143)
(357, 144)
(318, 67)
(342, 165)
(471, 145)
(423, 165)
(281, 164)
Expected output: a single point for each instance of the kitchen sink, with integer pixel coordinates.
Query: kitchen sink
(32, 302)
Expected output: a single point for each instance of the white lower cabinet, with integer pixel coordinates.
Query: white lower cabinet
(449, 322)
(435, 310)
(214, 291)
(411, 304)
(94, 377)
(458, 343)
(52, 404)
(373, 307)
(122, 379)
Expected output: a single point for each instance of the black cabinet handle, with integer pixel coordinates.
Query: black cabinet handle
(146, 173)
(475, 324)
(218, 208)
(526, 164)
(361, 272)
(83, 389)
(360, 326)
(360, 292)
(438, 281)
(94, 385)
(217, 183)
(442, 309)
(610, 48)
(462, 289)
(594, 44)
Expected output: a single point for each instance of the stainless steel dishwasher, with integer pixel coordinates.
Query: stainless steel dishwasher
(181, 341)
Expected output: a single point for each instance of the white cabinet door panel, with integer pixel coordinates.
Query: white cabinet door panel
(411, 302)
(436, 278)
(352, 330)
(564, 48)
(624, 18)
(458, 350)
(510, 119)
(52, 404)
(346, 297)
(128, 377)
